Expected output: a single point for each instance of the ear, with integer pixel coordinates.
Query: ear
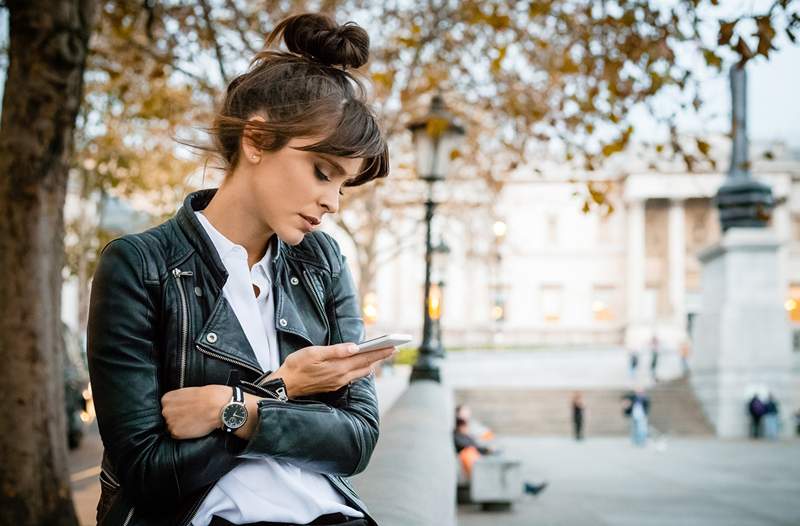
(250, 151)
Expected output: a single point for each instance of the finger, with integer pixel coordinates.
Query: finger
(340, 350)
(359, 373)
(367, 358)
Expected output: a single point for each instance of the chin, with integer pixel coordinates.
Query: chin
(294, 237)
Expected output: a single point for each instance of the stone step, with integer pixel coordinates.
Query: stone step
(674, 410)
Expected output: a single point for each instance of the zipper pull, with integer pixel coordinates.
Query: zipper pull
(179, 274)
(281, 392)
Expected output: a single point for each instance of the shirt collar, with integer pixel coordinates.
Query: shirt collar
(225, 247)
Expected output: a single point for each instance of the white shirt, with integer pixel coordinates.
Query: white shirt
(262, 489)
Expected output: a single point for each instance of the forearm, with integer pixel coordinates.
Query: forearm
(316, 436)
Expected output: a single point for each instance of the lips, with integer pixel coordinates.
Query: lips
(311, 220)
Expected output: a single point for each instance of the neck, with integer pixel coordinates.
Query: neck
(230, 213)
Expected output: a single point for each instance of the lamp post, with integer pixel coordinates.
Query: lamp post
(436, 136)
(742, 201)
(440, 252)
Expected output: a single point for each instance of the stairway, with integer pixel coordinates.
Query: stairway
(675, 410)
(547, 412)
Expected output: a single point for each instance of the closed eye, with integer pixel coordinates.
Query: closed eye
(322, 177)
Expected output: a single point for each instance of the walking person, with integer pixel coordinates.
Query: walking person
(633, 362)
(771, 418)
(654, 353)
(685, 351)
(756, 409)
(577, 415)
(221, 350)
(637, 408)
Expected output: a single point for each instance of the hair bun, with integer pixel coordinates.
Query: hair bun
(320, 38)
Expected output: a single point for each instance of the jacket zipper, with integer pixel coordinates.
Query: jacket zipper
(320, 306)
(299, 405)
(228, 359)
(188, 518)
(129, 517)
(184, 320)
(279, 393)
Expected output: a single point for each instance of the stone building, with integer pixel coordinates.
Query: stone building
(539, 271)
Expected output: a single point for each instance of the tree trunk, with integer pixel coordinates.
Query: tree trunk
(48, 45)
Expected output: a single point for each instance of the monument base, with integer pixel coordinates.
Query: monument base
(742, 336)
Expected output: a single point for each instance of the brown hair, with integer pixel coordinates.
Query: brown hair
(305, 92)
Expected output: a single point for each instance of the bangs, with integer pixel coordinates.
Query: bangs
(357, 135)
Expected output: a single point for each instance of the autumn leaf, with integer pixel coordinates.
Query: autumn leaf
(726, 32)
(712, 59)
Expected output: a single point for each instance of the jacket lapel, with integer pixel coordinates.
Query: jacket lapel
(223, 335)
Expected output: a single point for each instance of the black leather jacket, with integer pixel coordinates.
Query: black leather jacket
(156, 298)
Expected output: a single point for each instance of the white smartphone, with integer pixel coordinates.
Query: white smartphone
(381, 342)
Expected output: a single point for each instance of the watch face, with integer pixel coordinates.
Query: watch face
(234, 415)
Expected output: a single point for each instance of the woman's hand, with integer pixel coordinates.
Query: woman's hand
(193, 412)
(321, 369)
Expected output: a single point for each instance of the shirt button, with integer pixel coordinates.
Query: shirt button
(211, 337)
(294, 280)
(198, 292)
(282, 322)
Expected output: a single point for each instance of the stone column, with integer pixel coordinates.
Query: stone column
(635, 267)
(677, 266)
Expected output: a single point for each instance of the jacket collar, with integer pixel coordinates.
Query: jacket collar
(196, 234)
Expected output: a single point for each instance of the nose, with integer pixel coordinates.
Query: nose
(330, 200)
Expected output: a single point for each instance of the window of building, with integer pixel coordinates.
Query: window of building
(603, 303)
(793, 302)
(551, 302)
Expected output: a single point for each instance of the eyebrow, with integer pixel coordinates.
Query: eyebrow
(333, 163)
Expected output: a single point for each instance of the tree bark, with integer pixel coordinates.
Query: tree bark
(48, 45)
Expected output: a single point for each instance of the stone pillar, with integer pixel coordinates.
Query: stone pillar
(742, 336)
(677, 266)
(635, 266)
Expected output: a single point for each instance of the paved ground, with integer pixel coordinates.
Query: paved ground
(607, 482)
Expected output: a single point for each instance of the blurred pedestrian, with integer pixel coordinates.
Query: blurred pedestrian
(633, 362)
(685, 350)
(637, 407)
(771, 418)
(654, 352)
(797, 422)
(577, 415)
(756, 408)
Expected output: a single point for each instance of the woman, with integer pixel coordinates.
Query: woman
(227, 385)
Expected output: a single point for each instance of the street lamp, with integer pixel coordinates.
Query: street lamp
(436, 138)
(742, 201)
(438, 264)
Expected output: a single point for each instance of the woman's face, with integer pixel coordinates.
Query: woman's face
(291, 190)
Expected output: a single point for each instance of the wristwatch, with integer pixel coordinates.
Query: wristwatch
(234, 413)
